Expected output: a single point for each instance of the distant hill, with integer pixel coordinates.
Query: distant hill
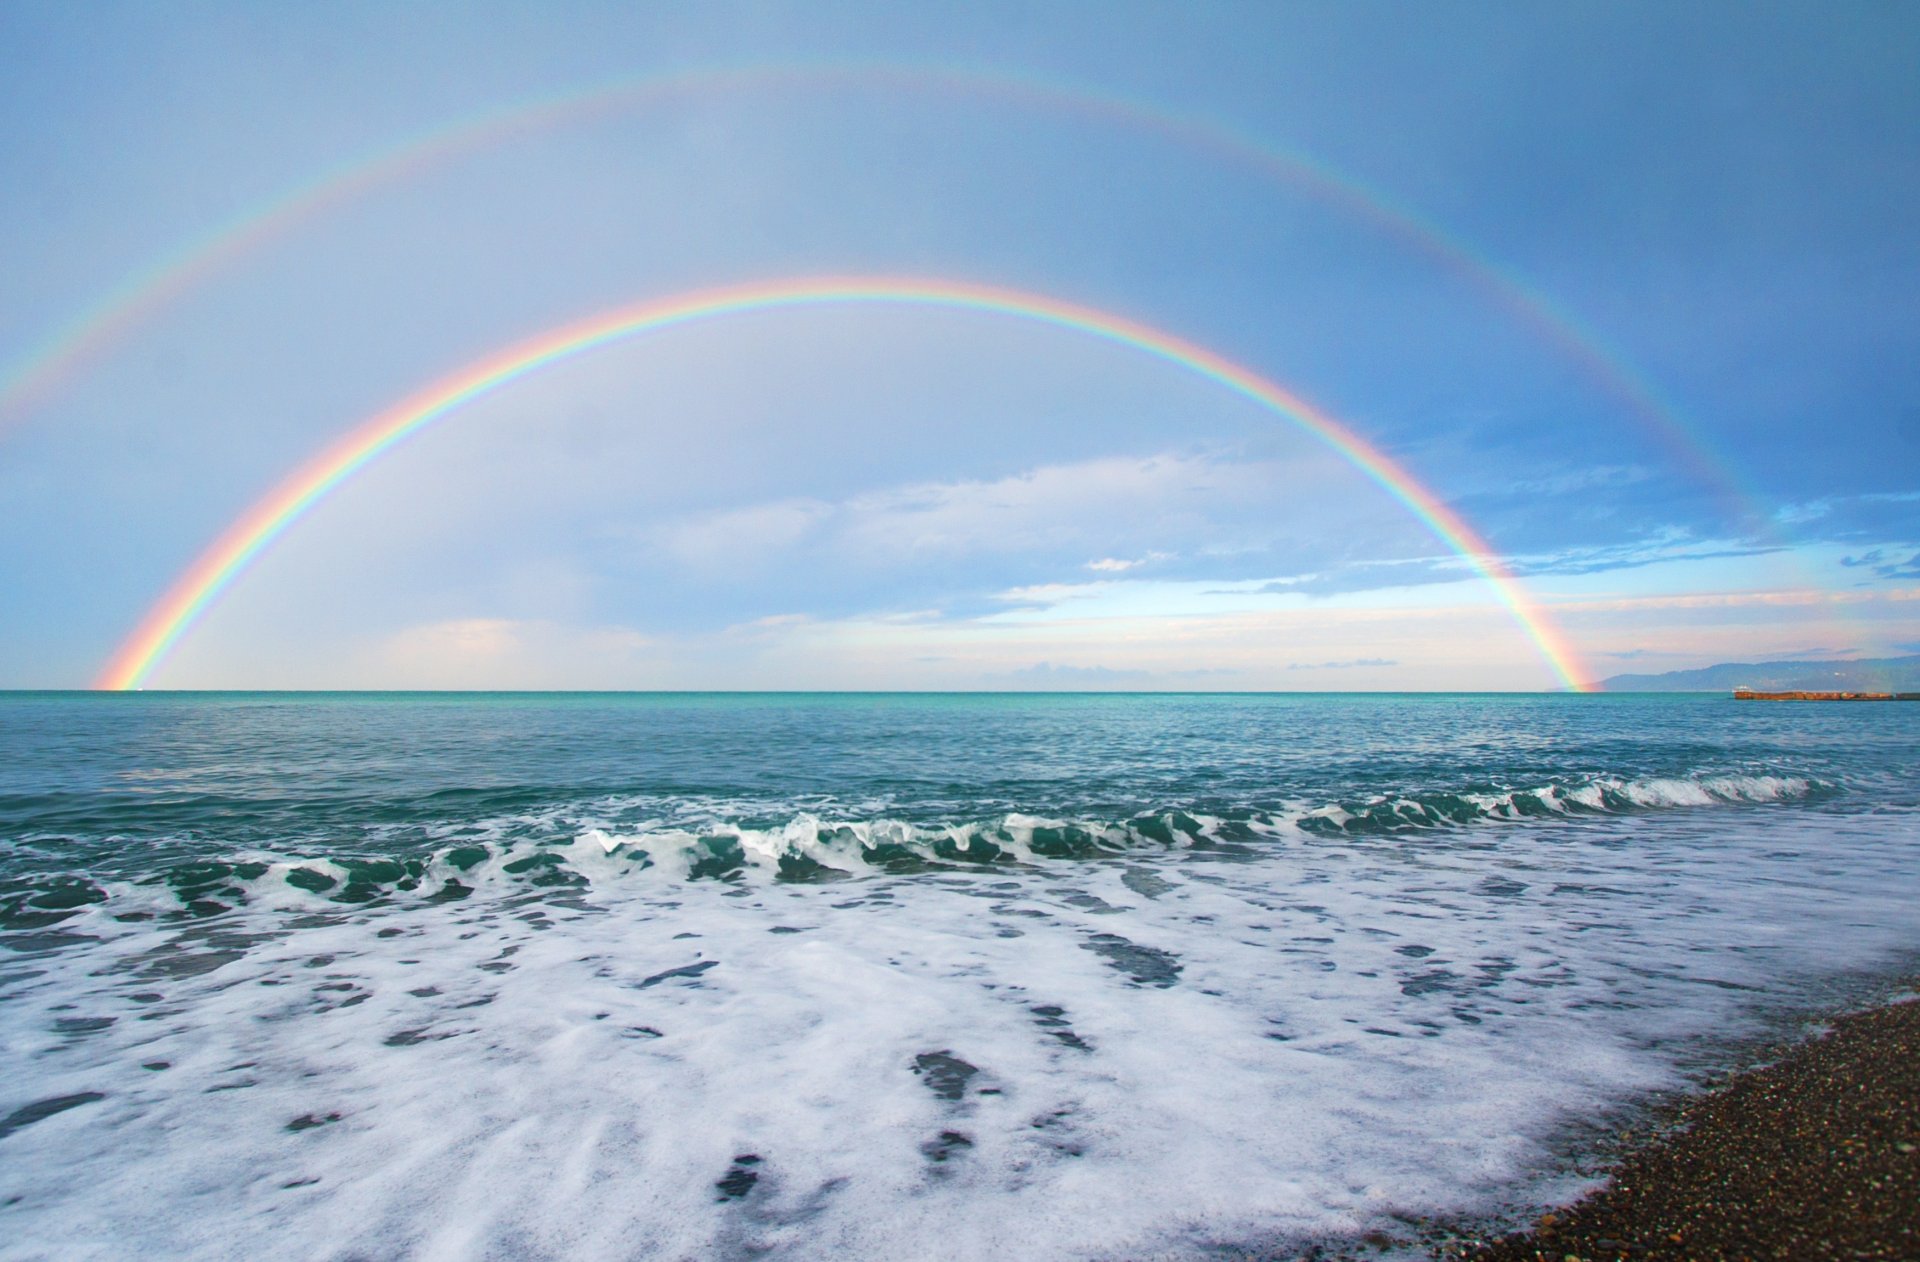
(1885, 674)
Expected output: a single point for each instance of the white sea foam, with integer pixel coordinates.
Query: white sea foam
(852, 846)
(1151, 1053)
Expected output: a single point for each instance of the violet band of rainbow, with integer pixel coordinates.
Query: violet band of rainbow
(221, 564)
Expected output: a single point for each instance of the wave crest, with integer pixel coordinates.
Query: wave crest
(807, 847)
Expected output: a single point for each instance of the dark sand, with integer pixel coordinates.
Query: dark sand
(1814, 1156)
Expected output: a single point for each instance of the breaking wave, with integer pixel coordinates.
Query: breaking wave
(806, 847)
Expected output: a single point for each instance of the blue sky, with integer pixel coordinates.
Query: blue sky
(1720, 195)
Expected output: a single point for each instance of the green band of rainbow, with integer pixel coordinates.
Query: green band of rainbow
(243, 541)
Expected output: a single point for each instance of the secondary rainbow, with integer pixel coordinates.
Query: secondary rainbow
(242, 543)
(29, 380)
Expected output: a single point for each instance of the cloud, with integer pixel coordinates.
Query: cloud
(1047, 595)
(1115, 565)
(1061, 675)
(1909, 568)
(1366, 576)
(1362, 576)
(1876, 560)
(486, 653)
(744, 537)
(1350, 664)
(1581, 479)
(1818, 654)
(1049, 507)
(1137, 645)
(1130, 513)
(1802, 512)
(1079, 674)
(1778, 598)
(1880, 523)
(1663, 547)
(464, 639)
(1659, 549)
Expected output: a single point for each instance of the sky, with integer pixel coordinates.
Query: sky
(1634, 290)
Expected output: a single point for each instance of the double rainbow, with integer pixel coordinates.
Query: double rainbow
(221, 564)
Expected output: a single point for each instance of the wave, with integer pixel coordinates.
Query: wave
(807, 847)
(1597, 795)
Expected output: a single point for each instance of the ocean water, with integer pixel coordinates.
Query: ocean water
(727, 976)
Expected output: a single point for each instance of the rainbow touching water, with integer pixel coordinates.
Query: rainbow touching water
(33, 376)
(221, 564)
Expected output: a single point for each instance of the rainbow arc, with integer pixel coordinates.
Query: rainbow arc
(250, 535)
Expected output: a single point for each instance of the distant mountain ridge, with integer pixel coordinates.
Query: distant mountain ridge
(1882, 674)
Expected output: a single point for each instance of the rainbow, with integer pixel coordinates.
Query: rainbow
(254, 531)
(36, 374)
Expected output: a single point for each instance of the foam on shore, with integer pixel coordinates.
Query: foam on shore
(1128, 1050)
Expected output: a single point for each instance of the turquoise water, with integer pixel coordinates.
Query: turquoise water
(685, 975)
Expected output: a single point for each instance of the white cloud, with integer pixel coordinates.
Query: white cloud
(485, 653)
(1779, 598)
(744, 537)
(1143, 502)
(1118, 565)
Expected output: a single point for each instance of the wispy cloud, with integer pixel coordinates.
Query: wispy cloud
(1350, 664)
(737, 538)
(1779, 598)
(1365, 576)
(1802, 512)
(771, 623)
(1060, 674)
(1117, 565)
(1049, 509)
(1582, 479)
(1661, 548)
(1816, 654)
(1047, 595)
(501, 653)
(1883, 568)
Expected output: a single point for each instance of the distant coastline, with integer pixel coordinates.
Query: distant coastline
(1890, 675)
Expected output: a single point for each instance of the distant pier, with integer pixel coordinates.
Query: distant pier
(1749, 694)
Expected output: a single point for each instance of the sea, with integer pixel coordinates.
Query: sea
(692, 976)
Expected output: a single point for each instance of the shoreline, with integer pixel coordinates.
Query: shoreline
(1812, 1152)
